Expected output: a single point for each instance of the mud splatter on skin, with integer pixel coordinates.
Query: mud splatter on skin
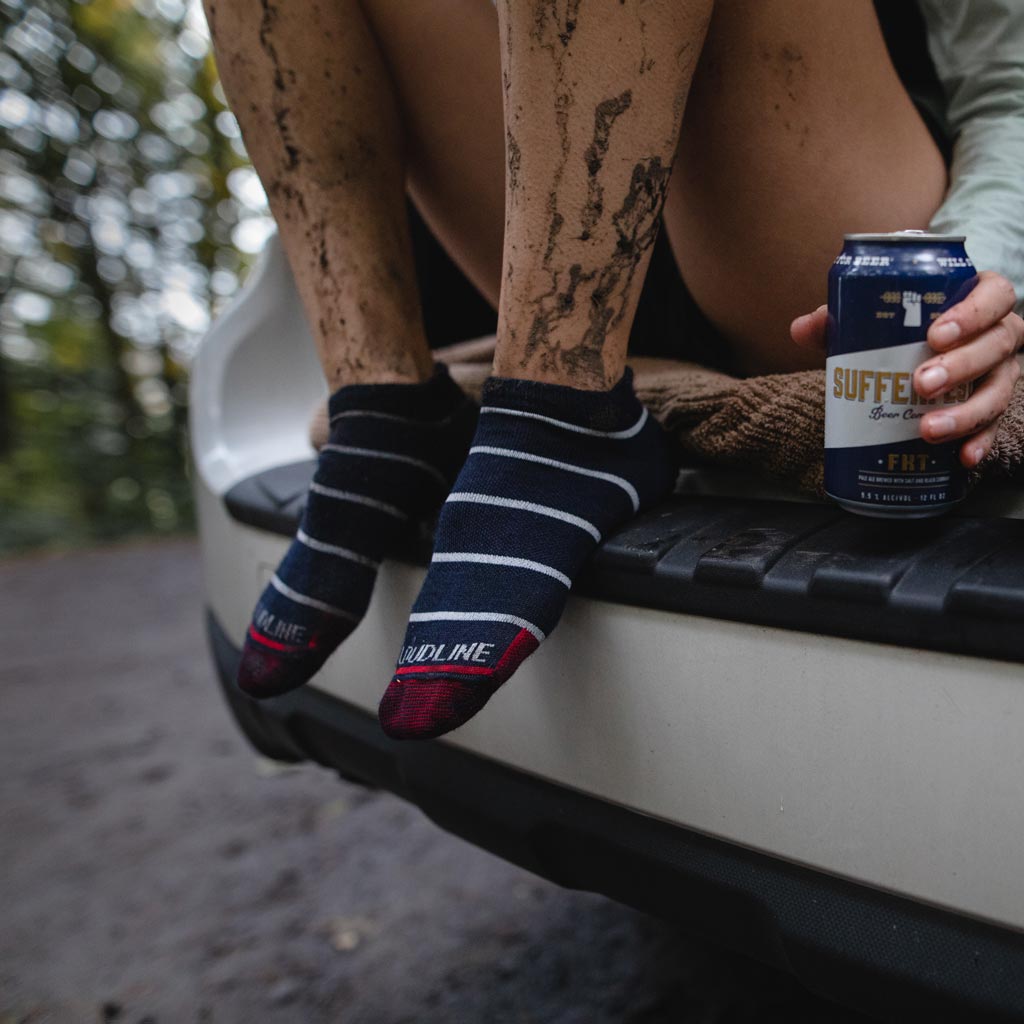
(792, 62)
(330, 175)
(288, 193)
(604, 118)
(557, 18)
(514, 156)
(581, 303)
(789, 71)
(789, 66)
(267, 24)
(636, 222)
(554, 24)
(321, 230)
(290, 149)
(686, 61)
(608, 297)
(646, 63)
(555, 224)
(555, 307)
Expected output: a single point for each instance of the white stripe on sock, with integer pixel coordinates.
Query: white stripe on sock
(507, 560)
(358, 499)
(372, 414)
(511, 453)
(310, 602)
(478, 617)
(528, 506)
(372, 453)
(614, 435)
(395, 418)
(333, 549)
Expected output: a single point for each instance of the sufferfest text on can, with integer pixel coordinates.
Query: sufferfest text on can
(883, 293)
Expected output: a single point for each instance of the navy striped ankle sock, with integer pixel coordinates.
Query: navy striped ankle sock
(391, 456)
(550, 472)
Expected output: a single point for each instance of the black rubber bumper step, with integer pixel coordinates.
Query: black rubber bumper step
(951, 584)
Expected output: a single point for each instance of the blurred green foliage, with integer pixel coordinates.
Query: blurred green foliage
(127, 215)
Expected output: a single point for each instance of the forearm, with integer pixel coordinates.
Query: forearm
(977, 48)
(986, 197)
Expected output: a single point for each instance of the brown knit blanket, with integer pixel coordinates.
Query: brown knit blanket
(773, 424)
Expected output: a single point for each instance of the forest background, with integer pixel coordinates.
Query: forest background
(128, 216)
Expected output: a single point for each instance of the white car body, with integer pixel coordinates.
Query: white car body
(899, 768)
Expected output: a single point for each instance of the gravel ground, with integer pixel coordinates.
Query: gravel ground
(155, 871)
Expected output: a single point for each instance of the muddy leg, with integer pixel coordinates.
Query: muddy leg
(319, 118)
(594, 97)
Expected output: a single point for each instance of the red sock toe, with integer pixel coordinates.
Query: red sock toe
(268, 668)
(422, 703)
(414, 709)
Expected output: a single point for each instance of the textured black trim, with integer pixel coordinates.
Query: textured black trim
(950, 584)
(874, 952)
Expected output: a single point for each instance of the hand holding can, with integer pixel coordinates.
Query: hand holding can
(987, 337)
(976, 340)
(885, 292)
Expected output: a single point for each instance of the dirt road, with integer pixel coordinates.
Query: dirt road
(154, 871)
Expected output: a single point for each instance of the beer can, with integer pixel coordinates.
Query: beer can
(884, 290)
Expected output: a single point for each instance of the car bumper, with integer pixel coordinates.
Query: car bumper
(867, 949)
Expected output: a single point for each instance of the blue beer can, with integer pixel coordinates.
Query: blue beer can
(883, 293)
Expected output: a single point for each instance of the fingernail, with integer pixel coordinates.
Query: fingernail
(940, 426)
(932, 378)
(977, 454)
(810, 316)
(944, 333)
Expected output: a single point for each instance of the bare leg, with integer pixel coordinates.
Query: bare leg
(320, 117)
(318, 113)
(759, 195)
(446, 66)
(797, 130)
(594, 97)
(752, 201)
(564, 453)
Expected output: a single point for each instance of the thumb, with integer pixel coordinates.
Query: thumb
(808, 331)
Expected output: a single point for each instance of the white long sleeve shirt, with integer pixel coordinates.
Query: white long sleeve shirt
(977, 47)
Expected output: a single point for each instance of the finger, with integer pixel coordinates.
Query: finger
(971, 360)
(988, 402)
(977, 447)
(808, 331)
(989, 301)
